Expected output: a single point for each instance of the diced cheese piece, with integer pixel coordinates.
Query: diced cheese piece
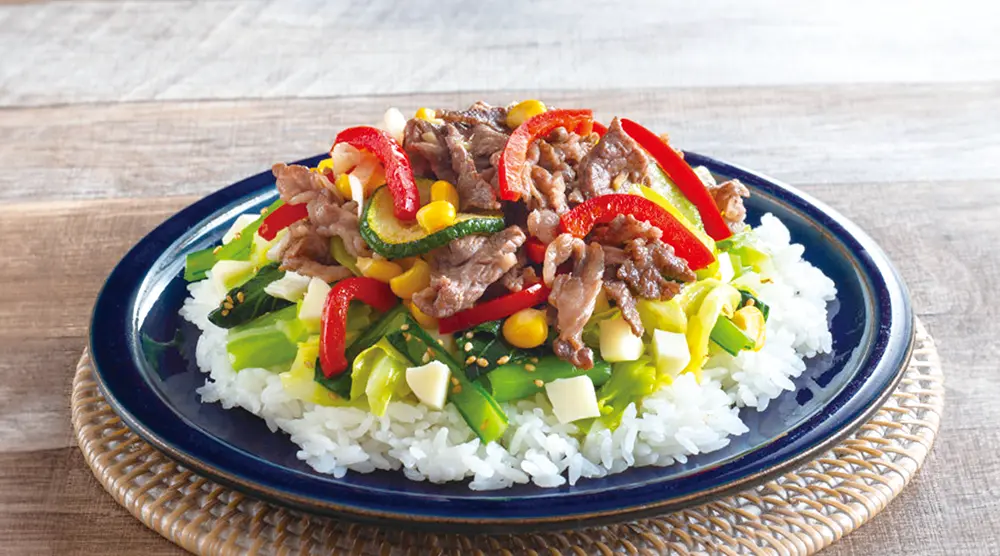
(242, 221)
(573, 398)
(226, 274)
(618, 343)
(429, 383)
(311, 310)
(726, 271)
(671, 352)
(292, 286)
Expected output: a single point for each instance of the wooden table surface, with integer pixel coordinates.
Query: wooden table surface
(113, 115)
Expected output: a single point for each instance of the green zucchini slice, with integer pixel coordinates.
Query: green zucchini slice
(394, 239)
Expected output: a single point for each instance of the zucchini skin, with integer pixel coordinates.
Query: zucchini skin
(378, 218)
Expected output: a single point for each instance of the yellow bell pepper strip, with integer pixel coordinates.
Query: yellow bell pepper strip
(721, 300)
(683, 176)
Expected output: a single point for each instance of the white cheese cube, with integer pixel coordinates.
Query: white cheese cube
(226, 274)
(291, 287)
(573, 398)
(726, 271)
(671, 352)
(618, 343)
(394, 122)
(429, 383)
(242, 221)
(311, 310)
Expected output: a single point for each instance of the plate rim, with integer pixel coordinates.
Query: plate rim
(434, 521)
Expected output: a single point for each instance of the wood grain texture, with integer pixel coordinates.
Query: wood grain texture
(114, 51)
(830, 134)
(115, 114)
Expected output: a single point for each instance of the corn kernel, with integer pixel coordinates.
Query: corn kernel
(411, 281)
(383, 271)
(526, 328)
(428, 114)
(436, 216)
(407, 263)
(524, 111)
(423, 319)
(444, 191)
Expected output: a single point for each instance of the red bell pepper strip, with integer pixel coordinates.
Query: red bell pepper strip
(535, 250)
(398, 172)
(683, 176)
(281, 218)
(334, 325)
(510, 167)
(494, 309)
(601, 210)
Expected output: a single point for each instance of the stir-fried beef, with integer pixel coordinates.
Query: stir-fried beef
(615, 159)
(729, 197)
(573, 296)
(653, 271)
(307, 252)
(520, 275)
(622, 296)
(463, 269)
(624, 228)
(473, 190)
(297, 184)
(424, 142)
(307, 249)
(552, 164)
(543, 224)
(479, 113)
(560, 251)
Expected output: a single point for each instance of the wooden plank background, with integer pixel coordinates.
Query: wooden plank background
(113, 115)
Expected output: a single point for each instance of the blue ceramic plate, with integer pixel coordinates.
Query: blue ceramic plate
(143, 353)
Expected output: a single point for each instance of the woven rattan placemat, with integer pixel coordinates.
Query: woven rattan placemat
(797, 513)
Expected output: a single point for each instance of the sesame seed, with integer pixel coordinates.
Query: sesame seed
(407, 336)
(237, 235)
(539, 383)
(470, 360)
(750, 302)
(229, 298)
(426, 358)
(454, 381)
(225, 312)
(529, 367)
(533, 360)
(468, 335)
(216, 250)
(263, 210)
(468, 346)
(440, 342)
(310, 363)
(503, 360)
(240, 298)
(457, 389)
(228, 305)
(405, 327)
(482, 362)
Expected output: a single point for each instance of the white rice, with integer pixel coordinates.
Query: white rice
(681, 420)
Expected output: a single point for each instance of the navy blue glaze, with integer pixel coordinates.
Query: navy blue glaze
(144, 355)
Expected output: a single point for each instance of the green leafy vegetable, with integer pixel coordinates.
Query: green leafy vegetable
(379, 374)
(487, 344)
(514, 381)
(269, 341)
(198, 263)
(630, 382)
(249, 301)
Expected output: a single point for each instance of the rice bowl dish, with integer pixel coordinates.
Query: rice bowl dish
(505, 342)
